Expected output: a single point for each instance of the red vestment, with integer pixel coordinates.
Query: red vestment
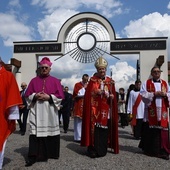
(95, 110)
(78, 100)
(152, 109)
(134, 109)
(9, 96)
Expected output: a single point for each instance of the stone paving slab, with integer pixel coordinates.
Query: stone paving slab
(73, 156)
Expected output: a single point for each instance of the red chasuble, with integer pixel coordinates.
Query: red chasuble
(95, 110)
(78, 100)
(9, 96)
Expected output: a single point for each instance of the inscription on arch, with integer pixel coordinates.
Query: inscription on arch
(138, 45)
(32, 48)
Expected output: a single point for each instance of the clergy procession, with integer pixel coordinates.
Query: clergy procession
(96, 124)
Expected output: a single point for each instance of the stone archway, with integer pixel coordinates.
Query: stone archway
(82, 27)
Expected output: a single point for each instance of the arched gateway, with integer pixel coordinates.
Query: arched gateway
(100, 38)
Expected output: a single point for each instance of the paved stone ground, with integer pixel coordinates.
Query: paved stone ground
(73, 156)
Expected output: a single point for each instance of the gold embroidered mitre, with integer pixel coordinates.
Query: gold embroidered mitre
(100, 62)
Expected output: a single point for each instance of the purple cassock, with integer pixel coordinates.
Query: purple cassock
(49, 85)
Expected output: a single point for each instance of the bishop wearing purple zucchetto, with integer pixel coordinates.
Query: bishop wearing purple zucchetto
(44, 95)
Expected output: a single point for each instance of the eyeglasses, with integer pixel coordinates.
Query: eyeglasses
(44, 68)
(23, 86)
(156, 71)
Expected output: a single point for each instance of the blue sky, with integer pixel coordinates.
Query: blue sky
(36, 20)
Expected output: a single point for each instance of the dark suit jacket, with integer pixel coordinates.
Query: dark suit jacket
(23, 99)
(66, 102)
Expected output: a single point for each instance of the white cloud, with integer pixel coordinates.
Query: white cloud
(123, 74)
(70, 82)
(51, 24)
(15, 3)
(168, 5)
(13, 30)
(109, 9)
(67, 67)
(52, 5)
(151, 25)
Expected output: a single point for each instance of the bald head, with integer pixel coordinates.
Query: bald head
(23, 85)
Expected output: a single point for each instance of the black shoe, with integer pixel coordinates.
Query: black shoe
(22, 133)
(29, 163)
(65, 131)
(91, 152)
(166, 157)
(93, 155)
(163, 154)
(77, 141)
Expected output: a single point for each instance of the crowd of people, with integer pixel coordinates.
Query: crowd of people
(95, 106)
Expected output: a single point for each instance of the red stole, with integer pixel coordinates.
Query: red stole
(152, 109)
(101, 108)
(100, 105)
(135, 107)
